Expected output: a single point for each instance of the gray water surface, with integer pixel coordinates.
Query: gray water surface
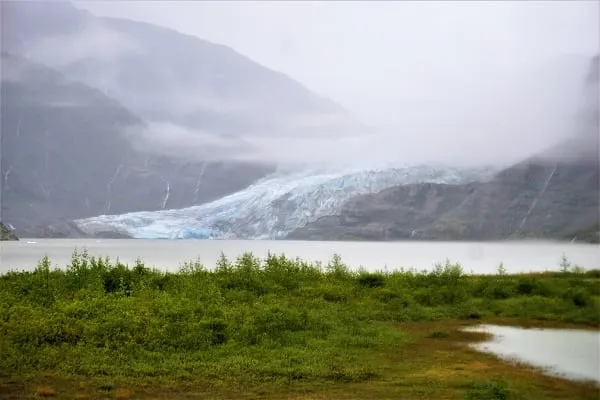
(572, 353)
(169, 254)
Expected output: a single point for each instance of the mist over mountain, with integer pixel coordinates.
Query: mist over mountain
(163, 75)
(205, 101)
(66, 155)
(104, 115)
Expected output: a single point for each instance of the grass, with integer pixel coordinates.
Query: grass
(277, 328)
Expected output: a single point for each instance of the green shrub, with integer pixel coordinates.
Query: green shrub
(386, 295)
(371, 280)
(593, 273)
(578, 296)
(336, 269)
(335, 296)
(217, 329)
(497, 291)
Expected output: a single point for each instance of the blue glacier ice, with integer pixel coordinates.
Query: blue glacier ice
(273, 206)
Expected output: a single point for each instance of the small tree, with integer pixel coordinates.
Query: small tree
(565, 265)
(501, 270)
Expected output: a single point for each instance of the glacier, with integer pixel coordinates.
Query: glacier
(275, 205)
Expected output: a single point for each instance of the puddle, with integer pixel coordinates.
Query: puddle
(570, 353)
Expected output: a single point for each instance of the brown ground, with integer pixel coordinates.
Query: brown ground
(429, 368)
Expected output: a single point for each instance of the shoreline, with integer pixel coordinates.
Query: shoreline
(170, 254)
(506, 341)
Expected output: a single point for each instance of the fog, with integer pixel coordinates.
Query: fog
(94, 41)
(444, 82)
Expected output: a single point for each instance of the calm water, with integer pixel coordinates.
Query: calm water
(169, 254)
(572, 353)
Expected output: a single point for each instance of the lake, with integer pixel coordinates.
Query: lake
(571, 353)
(477, 257)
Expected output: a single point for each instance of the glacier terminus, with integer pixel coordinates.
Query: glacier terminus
(275, 205)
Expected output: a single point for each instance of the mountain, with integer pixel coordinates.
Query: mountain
(554, 194)
(163, 75)
(6, 234)
(272, 207)
(529, 199)
(591, 234)
(393, 213)
(66, 155)
(160, 134)
(105, 115)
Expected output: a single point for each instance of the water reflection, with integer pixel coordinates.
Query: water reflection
(571, 353)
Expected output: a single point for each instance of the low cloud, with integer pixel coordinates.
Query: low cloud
(471, 109)
(169, 139)
(12, 71)
(95, 41)
(500, 122)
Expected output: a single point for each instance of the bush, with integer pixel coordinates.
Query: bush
(525, 286)
(497, 291)
(593, 273)
(217, 328)
(386, 295)
(371, 280)
(578, 296)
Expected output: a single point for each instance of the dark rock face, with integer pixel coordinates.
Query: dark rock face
(393, 213)
(542, 200)
(6, 233)
(530, 199)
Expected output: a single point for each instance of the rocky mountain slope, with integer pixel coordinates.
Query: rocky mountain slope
(66, 154)
(551, 195)
(103, 116)
(590, 234)
(393, 213)
(6, 234)
(530, 199)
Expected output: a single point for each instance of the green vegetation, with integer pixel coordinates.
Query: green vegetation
(6, 234)
(277, 328)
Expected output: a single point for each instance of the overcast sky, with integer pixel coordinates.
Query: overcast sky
(354, 52)
(463, 75)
